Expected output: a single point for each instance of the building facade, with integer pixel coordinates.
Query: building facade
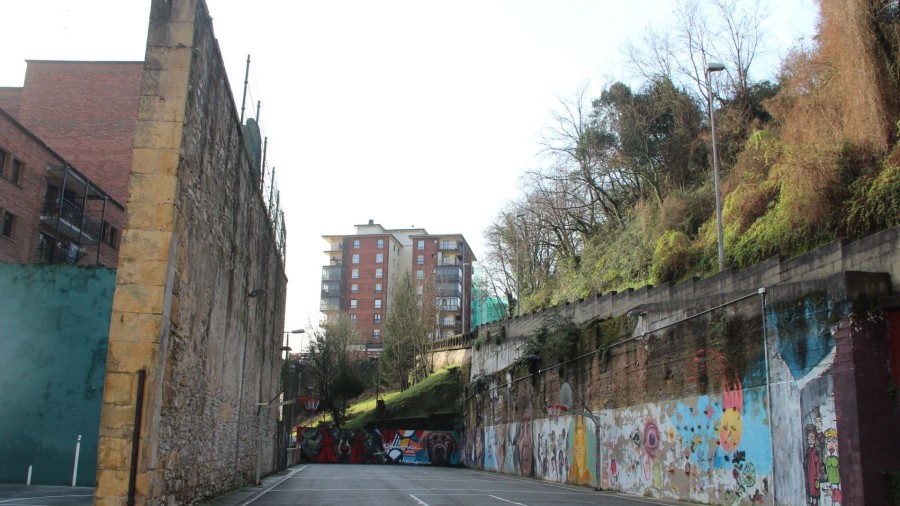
(359, 277)
(66, 143)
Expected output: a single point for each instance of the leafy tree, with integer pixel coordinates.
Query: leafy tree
(335, 355)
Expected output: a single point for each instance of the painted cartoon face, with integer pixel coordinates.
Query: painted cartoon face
(731, 428)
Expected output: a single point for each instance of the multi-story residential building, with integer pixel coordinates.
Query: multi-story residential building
(362, 268)
(66, 144)
(49, 211)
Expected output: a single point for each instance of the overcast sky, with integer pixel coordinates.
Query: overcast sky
(411, 113)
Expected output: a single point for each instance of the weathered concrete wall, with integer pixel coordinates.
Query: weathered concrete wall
(722, 406)
(55, 321)
(197, 242)
(877, 253)
(448, 358)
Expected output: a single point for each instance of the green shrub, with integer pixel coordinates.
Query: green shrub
(673, 257)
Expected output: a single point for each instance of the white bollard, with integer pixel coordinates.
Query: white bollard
(77, 450)
(28, 480)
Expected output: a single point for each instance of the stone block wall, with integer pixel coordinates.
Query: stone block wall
(197, 243)
(745, 398)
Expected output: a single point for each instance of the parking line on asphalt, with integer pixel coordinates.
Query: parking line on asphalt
(423, 503)
(504, 500)
(253, 499)
(6, 501)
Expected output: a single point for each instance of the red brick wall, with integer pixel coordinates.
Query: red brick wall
(25, 198)
(365, 310)
(86, 112)
(9, 100)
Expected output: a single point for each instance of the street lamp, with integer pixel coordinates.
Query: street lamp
(289, 426)
(259, 292)
(518, 271)
(716, 67)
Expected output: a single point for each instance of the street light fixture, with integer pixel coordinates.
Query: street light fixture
(259, 292)
(715, 67)
(289, 426)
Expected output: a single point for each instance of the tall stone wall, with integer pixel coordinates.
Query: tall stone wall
(740, 399)
(52, 357)
(197, 243)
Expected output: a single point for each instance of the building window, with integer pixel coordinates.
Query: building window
(379, 258)
(376, 334)
(353, 303)
(379, 273)
(354, 288)
(354, 274)
(7, 225)
(353, 318)
(3, 156)
(377, 303)
(377, 318)
(420, 274)
(356, 243)
(420, 244)
(378, 288)
(420, 260)
(445, 260)
(109, 234)
(380, 243)
(356, 258)
(15, 170)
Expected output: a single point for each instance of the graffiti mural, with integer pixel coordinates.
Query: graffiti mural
(821, 459)
(711, 448)
(560, 450)
(373, 446)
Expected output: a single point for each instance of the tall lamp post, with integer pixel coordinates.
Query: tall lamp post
(715, 67)
(259, 292)
(289, 426)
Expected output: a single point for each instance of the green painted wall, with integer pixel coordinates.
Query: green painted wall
(54, 327)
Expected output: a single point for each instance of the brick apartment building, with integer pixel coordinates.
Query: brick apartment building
(66, 141)
(358, 279)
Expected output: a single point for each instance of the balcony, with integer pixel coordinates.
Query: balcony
(330, 304)
(332, 273)
(448, 290)
(69, 217)
(448, 274)
(450, 324)
(450, 246)
(331, 289)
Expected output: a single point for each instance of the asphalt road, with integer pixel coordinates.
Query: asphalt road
(369, 485)
(377, 485)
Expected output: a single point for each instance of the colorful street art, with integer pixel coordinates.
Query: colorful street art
(560, 450)
(373, 446)
(821, 460)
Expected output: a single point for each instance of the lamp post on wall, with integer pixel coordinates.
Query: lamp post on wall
(715, 67)
(287, 348)
(259, 292)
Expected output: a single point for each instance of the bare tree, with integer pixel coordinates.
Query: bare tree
(334, 358)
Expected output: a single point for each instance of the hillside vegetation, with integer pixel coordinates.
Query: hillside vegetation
(626, 197)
